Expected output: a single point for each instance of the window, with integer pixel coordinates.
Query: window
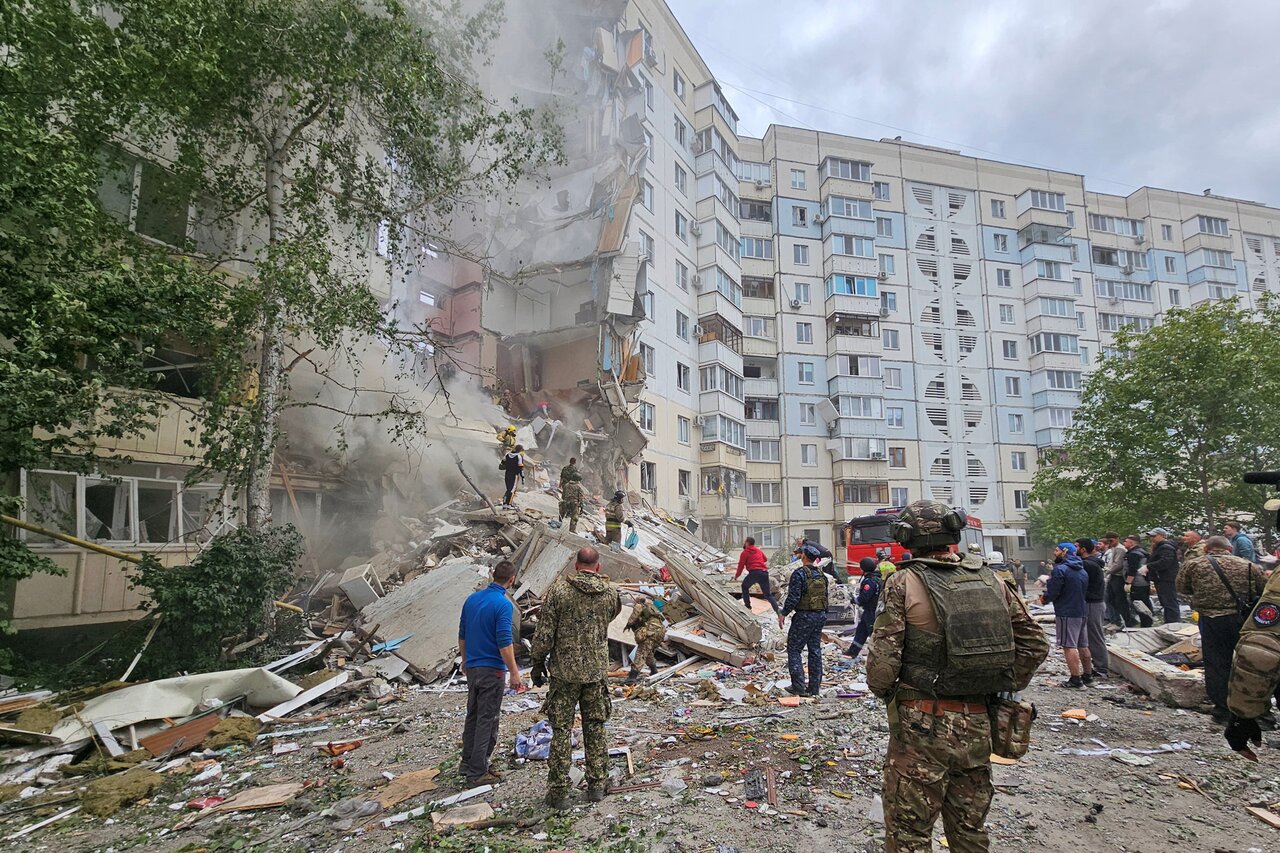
(893, 377)
(757, 288)
(889, 300)
(884, 226)
(725, 240)
(802, 292)
(804, 333)
(1076, 287)
(1054, 342)
(1019, 498)
(684, 483)
(1006, 312)
(849, 170)
(749, 171)
(859, 365)
(682, 276)
(1061, 417)
(682, 227)
(800, 217)
(647, 359)
(1063, 380)
(1213, 225)
(1057, 307)
(1004, 278)
(677, 85)
(648, 92)
(682, 181)
(851, 285)
(1113, 322)
(895, 416)
(1175, 298)
(852, 208)
(1018, 460)
(683, 375)
(797, 179)
(1216, 258)
(764, 493)
(1048, 201)
(647, 417)
(1002, 243)
(1170, 265)
(1134, 291)
(1009, 349)
(682, 326)
(1166, 232)
(760, 409)
(764, 450)
(898, 496)
(646, 299)
(805, 371)
(880, 191)
(757, 247)
(1050, 270)
(646, 195)
(853, 492)
(809, 497)
(800, 255)
(808, 414)
(890, 339)
(1015, 423)
(1081, 323)
(997, 209)
(1116, 225)
(682, 429)
(648, 142)
(646, 246)
(809, 455)
(860, 407)
(758, 327)
(648, 477)
(758, 211)
(886, 264)
(1013, 386)
(858, 247)
(717, 377)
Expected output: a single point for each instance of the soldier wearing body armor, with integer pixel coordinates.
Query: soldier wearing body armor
(650, 631)
(948, 638)
(1255, 673)
(571, 495)
(807, 598)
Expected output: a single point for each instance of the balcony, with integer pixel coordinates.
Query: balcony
(711, 255)
(851, 308)
(848, 265)
(846, 188)
(1052, 437)
(1060, 252)
(1051, 323)
(1213, 275)
(1040, 216)
(1055, 398)
(859, 428)
(847, 225)
(720, 506)
(1040, 232)
(709, 161)
(717, 454)
(712, 302)
(764, 429)
(762, 387)
(854, 345)
(719, 403)
(858, 469)
(760, 347)
(716, 328)
(858, 386)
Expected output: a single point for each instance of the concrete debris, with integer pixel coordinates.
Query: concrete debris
(106, 796)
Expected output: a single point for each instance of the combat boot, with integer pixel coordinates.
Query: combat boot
(595, 795)
(633, 676)
(557, 801)
(653, 669)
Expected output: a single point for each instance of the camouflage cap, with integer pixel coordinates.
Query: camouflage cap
(928, 525)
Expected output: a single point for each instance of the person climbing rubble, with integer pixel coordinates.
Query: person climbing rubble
(614, 515)
(571, 494)
(650, 631)
(512, 466)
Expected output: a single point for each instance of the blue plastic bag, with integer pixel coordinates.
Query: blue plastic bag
(535, 744)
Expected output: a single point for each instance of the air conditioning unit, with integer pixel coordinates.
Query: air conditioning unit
(1139, 239)
(697, 281)
(1126, 269)
(875, 454)
(795, 303)
(699, 421)
(651, 57)
(697, 330)
(761, 183)
(882, 275)
(690, 504)
(819, 219)
(695, 229)
(1115, 300)
(884, 312)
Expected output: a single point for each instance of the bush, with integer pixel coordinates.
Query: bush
(222, 598)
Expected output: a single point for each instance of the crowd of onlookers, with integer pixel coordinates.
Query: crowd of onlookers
(1111, 581)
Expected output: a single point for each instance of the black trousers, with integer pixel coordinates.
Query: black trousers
(1118, 601)
(512, 476)
(485, 687)
(863, 630)
(1218, 636)
(1167, 590)
(758, 577)
(1143, 594)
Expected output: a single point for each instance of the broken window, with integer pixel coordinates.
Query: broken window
(683, 479)
(51, 503)
(163, 206)
(107, 511)
(158, 510)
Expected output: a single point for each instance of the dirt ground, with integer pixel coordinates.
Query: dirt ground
(827, 755)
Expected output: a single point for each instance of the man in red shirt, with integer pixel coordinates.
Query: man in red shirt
(756, 564)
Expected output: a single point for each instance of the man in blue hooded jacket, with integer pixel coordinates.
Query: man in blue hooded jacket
(1065, 591)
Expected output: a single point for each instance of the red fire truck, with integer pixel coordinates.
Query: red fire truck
(868, 536)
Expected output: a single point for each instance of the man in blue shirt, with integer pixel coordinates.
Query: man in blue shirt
(1241, 544)
(1066, 592)
(486, 644)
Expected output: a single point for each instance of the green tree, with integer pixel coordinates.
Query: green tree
(326, 129)
(1166, 428)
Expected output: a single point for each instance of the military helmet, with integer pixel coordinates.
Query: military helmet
(928, 526)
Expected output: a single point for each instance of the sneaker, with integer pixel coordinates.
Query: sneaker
(557, 801)
(595, 795)
(1073, 682)
(1087, 678)
(795, 691)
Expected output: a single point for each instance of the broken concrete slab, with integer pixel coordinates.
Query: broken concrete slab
(713, 602)
(1162, 681)
(428, 608)
(547, 554)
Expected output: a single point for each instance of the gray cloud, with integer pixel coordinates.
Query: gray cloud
(1174, 93)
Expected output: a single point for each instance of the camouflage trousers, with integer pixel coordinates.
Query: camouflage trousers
(806, 633)
(937, 764)
(563, 700)
(646, 641)
(571, 510)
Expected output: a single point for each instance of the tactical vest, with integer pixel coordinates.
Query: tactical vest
(815, 594)
(974, 653)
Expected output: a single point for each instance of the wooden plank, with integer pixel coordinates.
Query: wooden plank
(1268, 817)
(266, 797)
(176, 740)
(108, 740)
(30, 829)
(687, 663)
(407, 785)
(1182, 689)
(306, 697)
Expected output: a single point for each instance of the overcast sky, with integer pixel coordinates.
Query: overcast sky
(1178, 94)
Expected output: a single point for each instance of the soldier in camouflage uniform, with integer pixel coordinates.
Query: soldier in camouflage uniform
(1255, 675)
(949, 636)
(573, 629)
(650, 631)
(571, 496)
(1220, 608)
(807, 597)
